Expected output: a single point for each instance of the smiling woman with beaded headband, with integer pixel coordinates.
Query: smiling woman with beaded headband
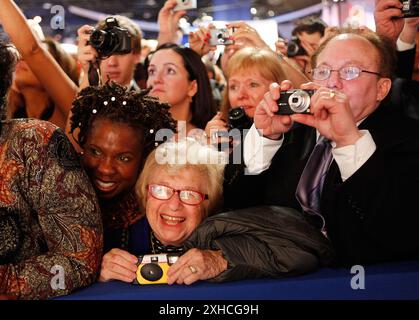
(116, 131)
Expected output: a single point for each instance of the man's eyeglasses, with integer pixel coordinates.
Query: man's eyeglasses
(189, 197)
(345, 73)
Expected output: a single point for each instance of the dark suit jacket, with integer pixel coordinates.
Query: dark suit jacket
(371, 217)
(405, 63)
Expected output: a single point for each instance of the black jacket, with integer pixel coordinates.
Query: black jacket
(373, 216)
(263, 242)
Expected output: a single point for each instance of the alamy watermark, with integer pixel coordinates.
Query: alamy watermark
(58, 20)
(358, 280)
(58, 280)
(226, 142)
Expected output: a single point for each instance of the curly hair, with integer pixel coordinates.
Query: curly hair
(8, 59)
(113, 102)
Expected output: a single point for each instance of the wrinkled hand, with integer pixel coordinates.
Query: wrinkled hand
(207, 264)
(246, 36)
(118, 264)
(271, 125)
(85, 52)
(388, 18)
(214, 126)
(168, 21)
(408, 34)
(198, 41)
(331, 116)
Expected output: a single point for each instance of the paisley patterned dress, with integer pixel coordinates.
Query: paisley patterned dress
(49, 214)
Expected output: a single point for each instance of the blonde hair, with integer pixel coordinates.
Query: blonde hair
(266, 62)
(187, 154)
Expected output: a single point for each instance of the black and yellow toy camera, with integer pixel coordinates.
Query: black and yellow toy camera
(152, 268)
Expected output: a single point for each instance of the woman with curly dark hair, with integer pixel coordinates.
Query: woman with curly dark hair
(116, 131)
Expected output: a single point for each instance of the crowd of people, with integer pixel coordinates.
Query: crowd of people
(88, 183)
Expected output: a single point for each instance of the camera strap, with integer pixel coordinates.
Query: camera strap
(94, 74)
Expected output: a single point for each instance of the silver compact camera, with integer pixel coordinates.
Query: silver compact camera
(294, 101)
(185, 5)
(410, 8)
(220, 37)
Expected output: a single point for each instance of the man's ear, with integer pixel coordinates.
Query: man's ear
(383, 88)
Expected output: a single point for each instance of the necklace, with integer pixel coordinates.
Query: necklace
(158, 247)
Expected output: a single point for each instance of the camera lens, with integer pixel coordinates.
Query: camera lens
(238, 118)
(299, 101)
(151, 272)
(97, 38)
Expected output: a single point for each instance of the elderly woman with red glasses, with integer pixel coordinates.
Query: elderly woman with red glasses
(179, 188)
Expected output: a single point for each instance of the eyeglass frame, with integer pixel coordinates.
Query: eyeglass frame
(203, 196)
(338, 71)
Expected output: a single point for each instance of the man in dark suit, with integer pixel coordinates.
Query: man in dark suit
(368, 206)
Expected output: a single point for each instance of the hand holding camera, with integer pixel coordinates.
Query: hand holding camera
(331, 115)
(220, 37)
(85, 52)
(246, 35)
(118, 264)
(295, 48)
(270, 124)
(110, 40)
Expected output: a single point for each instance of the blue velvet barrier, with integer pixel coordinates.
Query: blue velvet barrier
(386, 281)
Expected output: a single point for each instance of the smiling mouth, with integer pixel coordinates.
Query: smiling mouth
(105, 186)
(170, 220)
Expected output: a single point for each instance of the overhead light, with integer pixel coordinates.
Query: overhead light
(253, 11)
(147, 15)
(37, 19)
(46, 5)
(271, 13)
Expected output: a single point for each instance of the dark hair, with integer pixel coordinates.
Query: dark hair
(8, 59)
(310, 25)
(111, 101)
(385, 48)
(64, 59)
(203, 107)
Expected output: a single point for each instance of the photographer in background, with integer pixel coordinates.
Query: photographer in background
(353, 166)
(305, 40)
(117, 67)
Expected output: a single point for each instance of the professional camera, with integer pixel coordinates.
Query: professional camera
(294, 101)
(152, 268)
(185, 5)
(237, 118)
(113, 39)
(294, 47)
(410, 8)
(220, 37)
